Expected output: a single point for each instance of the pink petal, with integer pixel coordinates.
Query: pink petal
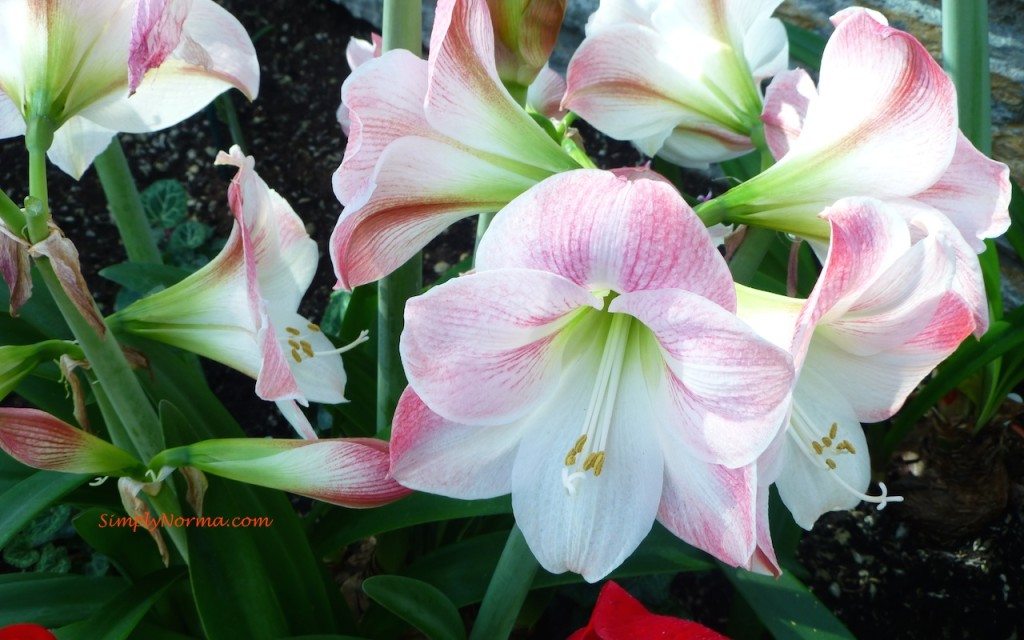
(545, 94)
(484, 349)
(728, 387)
(466, 100)
(156, 32)
(348, 472)
(384, 99)
(422, 186)
(785, 106)
(707, 505)
(429, 453)
(974, 193)
(627, 231)
(870, 122)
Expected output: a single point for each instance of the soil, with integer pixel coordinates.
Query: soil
(909, 571)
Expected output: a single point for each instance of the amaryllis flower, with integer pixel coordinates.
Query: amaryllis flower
(678, 78)
(39, 440)
(883, 314)
(881, 123)
(241, 308)
(431, 142)
(525, 33)
(96, 68)
(619, 616)
(592, 366)
(351, 472)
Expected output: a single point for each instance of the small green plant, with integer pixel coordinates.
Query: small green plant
(184, 241)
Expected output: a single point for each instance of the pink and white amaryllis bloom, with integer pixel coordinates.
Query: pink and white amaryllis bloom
(881, 123)
(96, 68)
(241, 308)
(678, 78)
(431, 142)
(592, 367)
(883, 314)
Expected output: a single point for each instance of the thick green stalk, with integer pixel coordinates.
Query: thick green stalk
(126, 205)
(402, 29)
(141, 434)
(965, 57)
(510, 583)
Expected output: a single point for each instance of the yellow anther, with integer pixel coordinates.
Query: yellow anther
(846, 445)
(831, 463)
(293, 344)
(293, 331)
(570, 459)
(313, 327)
(599, 465)
(833, 431)
(306, 348)
(817, 447)
(296, 356)
(826, 441)
(582, 440)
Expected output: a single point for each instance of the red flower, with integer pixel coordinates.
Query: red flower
(619, 616)
(25, 632)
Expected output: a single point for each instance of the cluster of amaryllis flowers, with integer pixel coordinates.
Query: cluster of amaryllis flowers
(599, 363)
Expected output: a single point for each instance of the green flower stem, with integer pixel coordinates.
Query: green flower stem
(965, 57)
(126, 205)
(140, 434)
(392, 293)
(510, 583)
(165, 501)
(402, 30)
(11, 214)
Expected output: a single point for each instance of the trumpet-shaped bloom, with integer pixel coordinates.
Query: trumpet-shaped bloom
(593, 367)
(351, 472)
(525, 33)
(37, 439)
(883, 314)
(96, 68)
(241, 308)
(678, 78)
(431, 142)
(882, 123)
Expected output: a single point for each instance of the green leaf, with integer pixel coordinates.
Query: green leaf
(419, 604)
(805, 46)
(21, 503)
(53, 600)
(144, 277)
(131, 550)
(446, 568)
(189, 236)
(225, 561)
(165, 203)
(118, 617)
(786, 607)
(348, 314)
(341, 527)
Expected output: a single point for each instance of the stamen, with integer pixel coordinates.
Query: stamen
(306, 348)
(834, 431)
(293, 344)
(817, 447)
(296, 356)
(312, 326)
(293, 331)
(569, 481)
(831, 463)
(826, 441)
(364, 336)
